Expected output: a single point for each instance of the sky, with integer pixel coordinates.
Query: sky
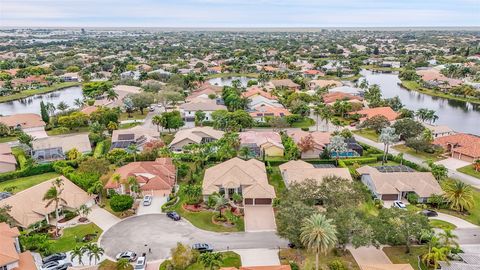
(239, 13)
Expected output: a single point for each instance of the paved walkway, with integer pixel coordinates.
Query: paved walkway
(158, 232)
(369, 255)
(102, 218)
(460, 223)
(258, 257)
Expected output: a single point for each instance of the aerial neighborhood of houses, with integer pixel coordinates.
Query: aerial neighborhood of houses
(185, 150)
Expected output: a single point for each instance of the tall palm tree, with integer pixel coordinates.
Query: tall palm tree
(319, 235)
(448, 238)
(157, 120)
(78, 102)
(459, 195)
(133, 148)
(326, 114)
(436, 255)
(78, 252)
(112, 95)
(50, 108)
(95, 252)
(96, 188)
(133, 185)
(317, 111)
(54, 196)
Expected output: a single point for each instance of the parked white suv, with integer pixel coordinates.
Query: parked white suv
(147, 200)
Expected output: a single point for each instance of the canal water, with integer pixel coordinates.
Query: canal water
(32, 104)
(458, 115)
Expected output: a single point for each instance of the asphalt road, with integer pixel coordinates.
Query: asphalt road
(160, 234)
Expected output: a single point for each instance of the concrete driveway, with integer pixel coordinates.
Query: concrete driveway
(258, 257)
(102, 218)
(452, 163)
(369, 255)
(160, 234)
(460, 223)
(154, 208)
(259, 218)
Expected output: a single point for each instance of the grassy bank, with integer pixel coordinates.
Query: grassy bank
(306, 260)
(73, 236)
(420, 154)
(470, 171)
(23, 183)
(415, 86)
(474, 214)
(32, 92)
(367, 133)
(398, 256)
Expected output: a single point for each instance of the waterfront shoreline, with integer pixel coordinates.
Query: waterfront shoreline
(41, 91)
(440, 95)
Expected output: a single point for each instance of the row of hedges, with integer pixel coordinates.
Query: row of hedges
(29, 171)
(101, 149)
(278, 162)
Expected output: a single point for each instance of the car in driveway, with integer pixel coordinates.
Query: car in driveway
(56, 265)
(173, 215)
(129, 255)
(428, 213)
(399, 204)
(202, 247)
(141, 263)
(147, 200)
(54, 257)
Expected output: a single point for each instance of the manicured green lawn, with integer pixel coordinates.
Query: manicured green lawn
(275, 179)
(229, 259)
(129, 125)
(367, 133)
(8, 139)
(43, 90)
(73, 236)
(167, 138)
(369, 208)
(377, 68)
(411, 85)
(305, 123)
(440, 224)
(306, 260)
(137, 115)
(60, 131)
(470, 171)
(398, 256)
(23, 183)
(420, 154)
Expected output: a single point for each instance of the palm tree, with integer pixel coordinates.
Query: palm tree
(78, 252)
(338, 145)
(459, 195)
(94, 251)
(244, 151)
(319, 235)
(317, 111)
(84, 210)
(62, 106)
(448, 238)
(326, 114)
(54, 196)
(133, 148)
(133, 185)
(157, 121)
(476, 165)
(220, 202)
(387, 137)
(112, 95)
(435, 255)
(50, 108)
(123, 264)
(96, 188)
(78, 102)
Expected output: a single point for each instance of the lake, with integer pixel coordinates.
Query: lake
(227, 81)
(32, 104)
(458, 115)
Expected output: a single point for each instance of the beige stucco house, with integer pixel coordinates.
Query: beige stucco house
(197, 135)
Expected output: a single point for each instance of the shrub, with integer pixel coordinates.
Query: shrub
(294, 265)
(337, 265)
(120, 203)
(412, 198)
(305, 129)
(29, 171)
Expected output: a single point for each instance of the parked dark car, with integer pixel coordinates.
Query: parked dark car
(129, 255)
(428, 213)
(56, 265)
(202, 247)
(54, 257)
(173, 215)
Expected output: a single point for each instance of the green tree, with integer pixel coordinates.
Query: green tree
(436, 255)
(44, 113)
(338, 145)
(157, 121)
(54, 196)
(318, 235)
(94, 252)
(211, 260)
(182, 256)
(62, 106)
(459, 195)
(78, 252)
(199, 117)
(387, 137)
(25, 138)
(123, 264)
(142, 100)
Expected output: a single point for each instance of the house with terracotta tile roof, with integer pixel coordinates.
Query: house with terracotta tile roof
(29, 123)
(260, 143)
(316, 84)
(259, 97)
(319, 141)
(368, 113)
(156, 178)
(11, 256)
(204, 91)
(330, 98)
(461, 146)
(8, 162)
(262, 112)
(392, 186)
(433, 77)
(28, 206)
(312, 73)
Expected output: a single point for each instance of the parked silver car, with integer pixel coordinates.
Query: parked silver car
(147, 200)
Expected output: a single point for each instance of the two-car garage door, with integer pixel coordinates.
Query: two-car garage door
(258, 201)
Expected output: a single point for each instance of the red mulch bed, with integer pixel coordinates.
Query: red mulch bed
(193, 207)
